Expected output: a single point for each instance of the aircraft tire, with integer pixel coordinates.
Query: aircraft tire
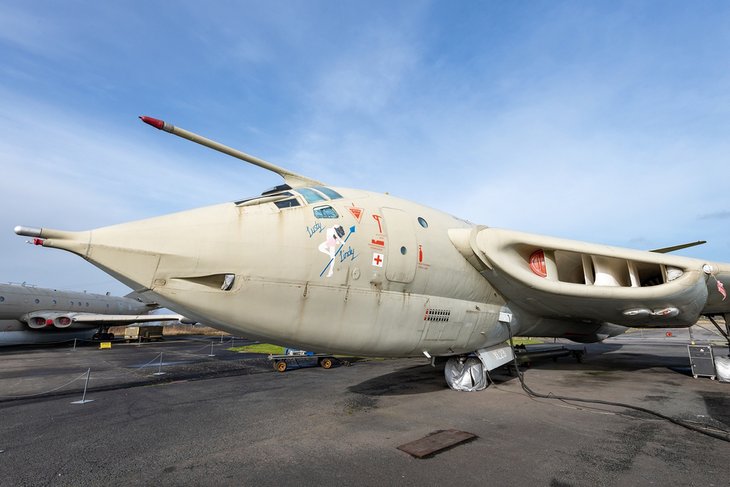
(465, 374)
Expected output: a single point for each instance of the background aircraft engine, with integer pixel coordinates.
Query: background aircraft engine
(37, 322)
(62, 322)
(43, 320)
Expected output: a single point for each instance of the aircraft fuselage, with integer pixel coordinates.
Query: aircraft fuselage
(391, 283)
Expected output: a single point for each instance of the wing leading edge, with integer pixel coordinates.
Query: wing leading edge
(577, 281)
(111, 320)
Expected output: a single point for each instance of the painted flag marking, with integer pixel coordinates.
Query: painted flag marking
(356, 212)
(721, 288)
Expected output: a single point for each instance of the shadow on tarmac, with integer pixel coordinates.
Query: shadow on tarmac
(718, 406)
(421, 379)
(600, 359)
(603, 357)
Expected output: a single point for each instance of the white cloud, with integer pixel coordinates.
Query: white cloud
(366, 80)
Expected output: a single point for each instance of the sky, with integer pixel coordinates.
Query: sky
(602, 121)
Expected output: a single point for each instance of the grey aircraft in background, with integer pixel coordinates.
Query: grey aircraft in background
(33, 315)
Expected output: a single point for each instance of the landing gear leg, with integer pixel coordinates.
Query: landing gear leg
(103, 334)
(726, 332)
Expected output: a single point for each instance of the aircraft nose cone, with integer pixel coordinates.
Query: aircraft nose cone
(147, 253)
(27, 231)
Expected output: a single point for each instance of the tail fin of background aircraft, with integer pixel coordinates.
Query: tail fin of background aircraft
(665, 250)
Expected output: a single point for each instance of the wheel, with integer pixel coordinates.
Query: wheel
(280, 366)
(326, 363)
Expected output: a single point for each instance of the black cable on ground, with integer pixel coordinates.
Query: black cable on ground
(724, 437)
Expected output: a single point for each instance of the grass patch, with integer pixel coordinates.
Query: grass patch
(259, 348)
(526, 341)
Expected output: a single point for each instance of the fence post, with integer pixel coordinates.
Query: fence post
(159, 367)
(86, 384)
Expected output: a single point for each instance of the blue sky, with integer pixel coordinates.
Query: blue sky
(599, 121)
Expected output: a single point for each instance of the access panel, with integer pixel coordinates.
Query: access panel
(401, 256)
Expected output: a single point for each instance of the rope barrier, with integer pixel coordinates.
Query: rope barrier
(82, 376)
(127, 370)
(145, 365)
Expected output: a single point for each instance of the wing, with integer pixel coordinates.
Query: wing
(119, 320)
(577, 281)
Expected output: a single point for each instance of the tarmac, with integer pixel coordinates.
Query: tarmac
(230, 419)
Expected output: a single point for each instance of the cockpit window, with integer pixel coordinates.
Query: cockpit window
(330, 193)
(276, 189)
(288, 199)
(290, 203)
(310, 196)
(325, 212)
(258, 200)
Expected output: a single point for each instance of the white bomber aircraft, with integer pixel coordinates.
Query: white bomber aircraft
(356, 272)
